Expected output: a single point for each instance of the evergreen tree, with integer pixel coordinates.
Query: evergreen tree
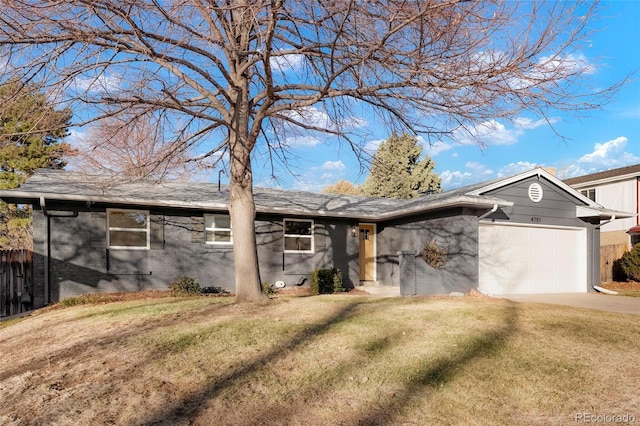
(398, 172)
(30, 133)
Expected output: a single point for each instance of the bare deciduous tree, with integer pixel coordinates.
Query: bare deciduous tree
(252, 73)
(132, 146)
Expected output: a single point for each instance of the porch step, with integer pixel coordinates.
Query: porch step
(375, 288)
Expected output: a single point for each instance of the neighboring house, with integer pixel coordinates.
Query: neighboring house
(617, 189)
(528, 233)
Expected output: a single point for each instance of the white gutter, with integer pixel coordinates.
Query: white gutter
(391, 213)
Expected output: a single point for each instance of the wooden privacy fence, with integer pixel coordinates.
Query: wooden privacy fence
(16, 282)
(609, 269)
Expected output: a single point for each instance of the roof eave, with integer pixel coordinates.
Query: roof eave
(397, 213)
(601, 213)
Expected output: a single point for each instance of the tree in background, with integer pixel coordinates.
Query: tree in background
(397, 171)
(132, 146)
(31, 130)
(343, 187)
(239, 75)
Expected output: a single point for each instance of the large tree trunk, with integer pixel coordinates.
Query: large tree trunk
(245, 253)
(241, 204)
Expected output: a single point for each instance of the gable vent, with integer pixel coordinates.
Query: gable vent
(535, 192)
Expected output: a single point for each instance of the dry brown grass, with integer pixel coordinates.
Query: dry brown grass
(349, 360)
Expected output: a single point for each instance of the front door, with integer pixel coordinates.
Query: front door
(367, 252)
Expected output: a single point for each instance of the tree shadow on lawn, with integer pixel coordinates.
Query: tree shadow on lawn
(431, 375)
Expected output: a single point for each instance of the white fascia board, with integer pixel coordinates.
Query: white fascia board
(35, 196)
(540, 173)
(602, 213)
(613, 179)
(394, 213)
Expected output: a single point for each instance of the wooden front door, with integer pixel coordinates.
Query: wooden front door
(367, 252)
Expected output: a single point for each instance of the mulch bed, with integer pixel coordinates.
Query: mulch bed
(627, 285)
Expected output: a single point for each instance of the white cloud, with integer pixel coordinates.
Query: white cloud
(302, 141)
(515, 168)
(526, 123)
(488, 133)
(372, 146)
(605, 156)
(101, 83)
(312, 116)
(493, 132)
(603, 152)
(473, 172)
(434, 148)
(287, 62)
(455, 179)
(333, 165)
(571, 63)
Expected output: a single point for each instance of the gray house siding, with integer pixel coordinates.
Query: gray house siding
(557, 208)
(76, 259)
(333, 246)
(456, 231)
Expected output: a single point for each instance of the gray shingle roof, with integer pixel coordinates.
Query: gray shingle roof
(64, 185)
(607, 174)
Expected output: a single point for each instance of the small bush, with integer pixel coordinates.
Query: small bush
(268, 289)
(338, 281)
(630, 263)
(325, 281)
(185, 286)
(214, 290)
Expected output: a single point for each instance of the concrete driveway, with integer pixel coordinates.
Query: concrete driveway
(602, 302)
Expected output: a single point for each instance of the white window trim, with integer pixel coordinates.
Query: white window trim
(285, 235)
(218, 243)
(147, 230)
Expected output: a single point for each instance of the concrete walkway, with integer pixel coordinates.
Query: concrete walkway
(602, 302)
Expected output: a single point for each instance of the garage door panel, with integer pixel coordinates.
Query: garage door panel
(525, 259)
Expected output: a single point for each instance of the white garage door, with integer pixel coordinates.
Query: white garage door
(532, 259)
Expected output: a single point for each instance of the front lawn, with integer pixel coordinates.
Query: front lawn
(323, 360)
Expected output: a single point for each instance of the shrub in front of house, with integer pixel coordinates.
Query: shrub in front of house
(267, 288)
(185, 286)
(326, 281)
(214, 290)
(630, 263)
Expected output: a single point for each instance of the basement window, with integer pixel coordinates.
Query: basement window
(128, 229)
(298, 236)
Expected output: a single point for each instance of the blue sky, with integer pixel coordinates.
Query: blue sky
(604, 139)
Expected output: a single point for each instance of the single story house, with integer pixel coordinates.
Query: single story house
(529, 233)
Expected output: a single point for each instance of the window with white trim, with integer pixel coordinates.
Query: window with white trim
(128, 229)
(217, 228)
(589, 193)
(298, 235)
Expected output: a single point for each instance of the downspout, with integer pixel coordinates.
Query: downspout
(43, 206)
(597, 287)
(493, 210)
(606, 222)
